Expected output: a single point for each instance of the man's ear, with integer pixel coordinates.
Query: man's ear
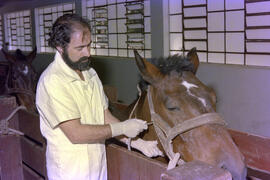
(60, 49)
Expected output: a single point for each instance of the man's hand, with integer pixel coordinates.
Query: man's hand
(148, 148)
(131, 128)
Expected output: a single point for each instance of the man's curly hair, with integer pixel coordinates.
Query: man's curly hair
(63, 28)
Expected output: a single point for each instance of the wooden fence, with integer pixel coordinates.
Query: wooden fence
(23, 157)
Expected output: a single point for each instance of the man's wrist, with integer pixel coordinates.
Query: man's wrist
(116, 129)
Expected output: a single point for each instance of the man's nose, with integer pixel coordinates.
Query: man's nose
(86, 52)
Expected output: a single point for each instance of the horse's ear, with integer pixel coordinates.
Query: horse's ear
(149, 72)
(9, 57)
(193, 57)
(30, 57)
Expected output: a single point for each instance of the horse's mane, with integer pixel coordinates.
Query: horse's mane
(178, 63)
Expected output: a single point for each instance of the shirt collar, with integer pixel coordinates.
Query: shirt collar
(69, 73)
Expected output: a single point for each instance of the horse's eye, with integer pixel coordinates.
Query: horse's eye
(171, 104)
(173, 108)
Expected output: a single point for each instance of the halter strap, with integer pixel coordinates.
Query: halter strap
(166, 134)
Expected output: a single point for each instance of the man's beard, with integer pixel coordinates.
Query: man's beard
(84, 63)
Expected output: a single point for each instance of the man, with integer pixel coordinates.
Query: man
(74, 115)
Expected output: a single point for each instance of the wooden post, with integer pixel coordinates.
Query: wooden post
(10, 151)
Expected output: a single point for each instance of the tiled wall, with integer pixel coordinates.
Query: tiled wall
(119, 26)
(18, 33)
(224, 31)
(44, 18)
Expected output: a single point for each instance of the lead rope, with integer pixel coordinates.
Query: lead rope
(4, 129)
(130, 115)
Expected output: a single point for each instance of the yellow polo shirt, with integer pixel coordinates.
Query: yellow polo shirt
(61, 96)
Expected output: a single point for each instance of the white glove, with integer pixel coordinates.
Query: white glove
(131, 127)
(148, 148)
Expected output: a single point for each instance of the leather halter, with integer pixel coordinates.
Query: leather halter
(166, 134)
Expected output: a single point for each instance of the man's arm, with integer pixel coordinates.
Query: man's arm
(79, 133)
(109, 118)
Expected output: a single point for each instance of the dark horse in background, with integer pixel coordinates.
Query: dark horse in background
(182, 111)
(21, 78)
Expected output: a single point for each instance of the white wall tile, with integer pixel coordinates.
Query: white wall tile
(112, 41)
(216, 42)
(235, 42)
(122, 38)
(195, 34)
(258, 7)
(215, 5)
(121, 11)
(175, 6)
(258, 34)
(147, 24)
(257, 60)
(102, 52)
(258, 47)
(216, 58)
(112, 52)
(216, 21)
(121, 26)
(235, 59)
(122, 52)
(111, 11)
(258, 20)
(235, 21)
(147, 11)
(112, 26)
(176, 23)
(202, 57)
(234, 4)
(193, 23)
(194, 2)
(147, 41)
(195, 11)
(176, 41)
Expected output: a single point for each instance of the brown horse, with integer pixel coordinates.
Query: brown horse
(21, 79)
(182, 111)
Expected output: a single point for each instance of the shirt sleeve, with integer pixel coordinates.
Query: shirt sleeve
(58, 105)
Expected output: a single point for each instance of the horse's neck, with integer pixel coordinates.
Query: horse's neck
(142, 110)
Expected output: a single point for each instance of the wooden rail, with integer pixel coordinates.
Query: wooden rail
(24, 157)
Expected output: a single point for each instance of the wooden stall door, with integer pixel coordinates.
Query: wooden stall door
(21, 157)
(10, 151)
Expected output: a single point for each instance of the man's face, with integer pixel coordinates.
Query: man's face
(77, 53)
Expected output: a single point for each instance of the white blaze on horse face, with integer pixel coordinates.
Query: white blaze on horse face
(188, 86)
(25, 71)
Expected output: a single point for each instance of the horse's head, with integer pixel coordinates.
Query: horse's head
(178, 94)
(22, 78)
(180, 99)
